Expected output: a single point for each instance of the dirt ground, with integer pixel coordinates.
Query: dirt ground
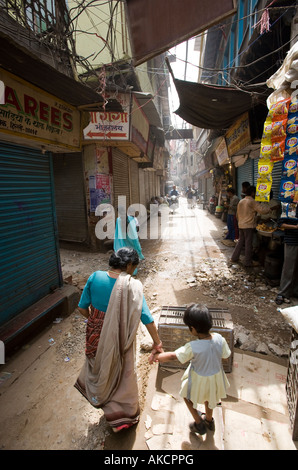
(40, 409)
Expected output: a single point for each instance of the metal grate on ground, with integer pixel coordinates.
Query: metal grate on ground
(174, 333)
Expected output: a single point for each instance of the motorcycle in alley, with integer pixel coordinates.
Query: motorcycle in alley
(212, 204)
(173, 202)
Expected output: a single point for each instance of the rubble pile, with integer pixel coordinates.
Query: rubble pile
(233, 285)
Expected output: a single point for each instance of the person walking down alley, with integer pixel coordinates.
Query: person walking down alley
(232, 224)
(190, 195)
(126, 234)
(113, 303)
(204, 381)
(289, 277)
(174, 192)
(246, 217)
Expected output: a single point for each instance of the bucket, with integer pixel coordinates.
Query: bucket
(218, 211)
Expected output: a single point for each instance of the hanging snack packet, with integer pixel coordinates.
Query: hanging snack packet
(292, 125)
(296, 192)
(265, 168)
(263, 190)
(293, 108)
(274, 130)
(291, 146)
(266, 149)
(267, 129)
(279, 110)
(278, 151)
(288, 210)
(278, 130)
(287, 189)
(289, 167)
(274, 151)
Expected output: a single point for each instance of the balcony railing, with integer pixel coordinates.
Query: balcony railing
(48, 19)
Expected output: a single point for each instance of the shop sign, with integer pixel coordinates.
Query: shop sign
(221, 152)
(238, 136)
(27, 111)
(111, 125)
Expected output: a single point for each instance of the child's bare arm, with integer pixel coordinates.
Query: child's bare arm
(166, 356)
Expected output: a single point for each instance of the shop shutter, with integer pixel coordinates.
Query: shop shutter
(245, 173)
(151, 184)
(30, 267)
(157, 185)
(120, 177)
(276, 178)
(142, 190)
(134, 182)
(70, 197)
(147, 187)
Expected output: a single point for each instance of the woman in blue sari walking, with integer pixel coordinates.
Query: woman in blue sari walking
(126, 234)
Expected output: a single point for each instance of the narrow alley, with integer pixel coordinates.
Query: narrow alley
(40, 408)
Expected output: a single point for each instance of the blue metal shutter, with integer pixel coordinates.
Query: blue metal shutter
(245, 173)
(276, 178)
(30, 263)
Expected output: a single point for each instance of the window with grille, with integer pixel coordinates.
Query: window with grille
(44, 17)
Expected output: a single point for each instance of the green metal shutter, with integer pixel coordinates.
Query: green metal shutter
(30, 263)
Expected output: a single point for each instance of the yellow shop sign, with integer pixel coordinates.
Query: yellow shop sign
(32, 113)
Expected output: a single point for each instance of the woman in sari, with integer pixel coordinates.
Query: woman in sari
(126, 234)
(114, 303)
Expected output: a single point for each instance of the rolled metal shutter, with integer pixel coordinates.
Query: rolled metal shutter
(120, 177)
(276, 178)
(70, 197)
(30, 263)
(142, 190)
(151, 184)
(147, 187)
(245, 173)
(134, 183)
(157, 185)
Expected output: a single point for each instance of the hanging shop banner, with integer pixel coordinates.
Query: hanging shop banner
(112, 125)
(221, 152)
(30, 112)
(238, 136)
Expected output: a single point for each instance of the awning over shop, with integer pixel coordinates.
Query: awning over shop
(156, 26)
(147, 104)
(211, 106)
